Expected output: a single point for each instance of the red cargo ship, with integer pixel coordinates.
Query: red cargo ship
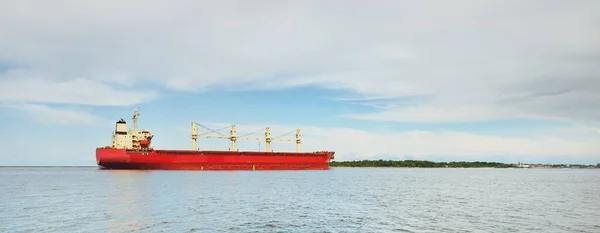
(132, 149)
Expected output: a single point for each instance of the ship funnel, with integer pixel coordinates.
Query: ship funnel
(121, 127)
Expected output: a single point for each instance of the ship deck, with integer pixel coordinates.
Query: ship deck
(227, 153)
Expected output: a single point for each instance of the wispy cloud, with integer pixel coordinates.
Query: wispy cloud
(57, 115)
(75, 91)
(443, 114)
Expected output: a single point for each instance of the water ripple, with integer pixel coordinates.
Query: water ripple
(339, 200)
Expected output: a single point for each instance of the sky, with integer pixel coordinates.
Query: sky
(469, 80)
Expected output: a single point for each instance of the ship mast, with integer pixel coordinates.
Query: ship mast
(194, 136)
(233, 137)
(298, 140)
(268, 139)
(136, 114)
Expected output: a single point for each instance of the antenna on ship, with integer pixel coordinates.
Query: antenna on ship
(136, 114)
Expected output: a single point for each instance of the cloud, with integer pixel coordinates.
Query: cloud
(75, 91)
(472, 60)
(442, 114)
(64, 115)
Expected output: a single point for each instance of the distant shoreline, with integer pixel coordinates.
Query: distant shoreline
(456, 164)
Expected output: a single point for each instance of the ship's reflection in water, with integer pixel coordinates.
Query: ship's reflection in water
(127, 199)
(175, 201)
(146, 200)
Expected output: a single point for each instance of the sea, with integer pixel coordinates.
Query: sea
(86, 199)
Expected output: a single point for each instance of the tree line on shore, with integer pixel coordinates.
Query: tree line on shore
(431, 164)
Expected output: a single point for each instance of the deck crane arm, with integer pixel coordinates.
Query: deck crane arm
(195, 134)
(297, 139)
(233, 136)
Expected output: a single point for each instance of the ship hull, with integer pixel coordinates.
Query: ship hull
(110, 158)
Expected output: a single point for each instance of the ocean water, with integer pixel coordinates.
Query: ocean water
(338, 200)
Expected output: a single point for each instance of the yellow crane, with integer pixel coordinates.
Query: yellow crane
(233, 137)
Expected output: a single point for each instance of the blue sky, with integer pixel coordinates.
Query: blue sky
(497, 81)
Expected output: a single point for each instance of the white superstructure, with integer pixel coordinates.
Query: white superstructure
(133, 138)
